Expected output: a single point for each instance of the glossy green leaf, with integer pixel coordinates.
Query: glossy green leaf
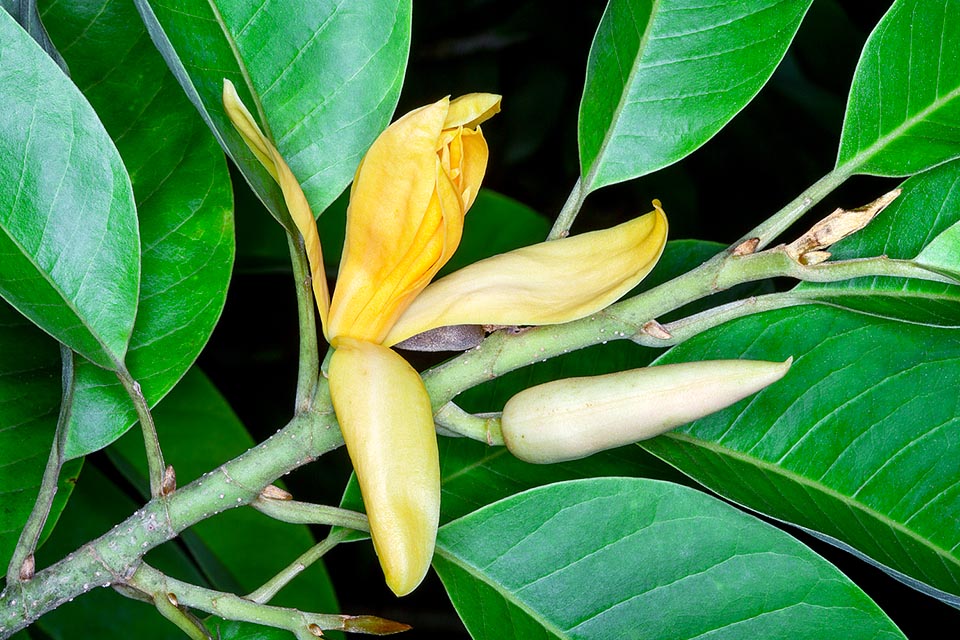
(29, 405)
(860, 441)
(903, 114)
(323, 79)
(69, 247)
(102, 613)
(25, 12)
(664, 76)
(943, 253)
(634, 558)
(199, 431)
(921, 216)
(184, 199)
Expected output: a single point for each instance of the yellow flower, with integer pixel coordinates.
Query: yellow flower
(404, 222)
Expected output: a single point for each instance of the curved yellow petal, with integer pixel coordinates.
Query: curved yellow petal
(404, 222)
(547, 283)
(293, 195)
(471, 109)
(247, 127)
(387, 424)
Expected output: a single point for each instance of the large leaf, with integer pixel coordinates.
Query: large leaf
(322, 77)
(664, 76)
(69, 247)
(860, 441)
(632, 558)
(903, 114)
(103, 613)
(184, 198)
(29, 403)
(926, 210)
(199, 431)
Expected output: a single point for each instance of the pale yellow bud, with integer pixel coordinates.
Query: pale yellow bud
(576, 417)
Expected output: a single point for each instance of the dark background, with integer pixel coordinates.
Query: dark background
(534, 54)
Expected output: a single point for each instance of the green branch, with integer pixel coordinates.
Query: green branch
(270, 589)
(561, 227)
(21, 565)
(233, 607)
(308, 372)
(155, 467)
(114, 556)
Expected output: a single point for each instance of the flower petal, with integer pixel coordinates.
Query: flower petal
(293, 195)
(471, 109)
(387, 424)
(393, 215)
(547, 283)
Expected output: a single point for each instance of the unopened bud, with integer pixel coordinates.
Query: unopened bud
(576, 417)
(273, 492)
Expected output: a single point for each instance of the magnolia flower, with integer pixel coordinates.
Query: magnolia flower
(404, 221)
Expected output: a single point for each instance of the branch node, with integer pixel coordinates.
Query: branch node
(656, 330)
(169, 484)
(273, 492)
(28, 568)
(746, 247)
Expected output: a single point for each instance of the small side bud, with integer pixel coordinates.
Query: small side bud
(576, 417)
(746, 247)
(28, 568)
(656, 330)
(169, 484)
(315, 630)
(172, 599)
(273, 492)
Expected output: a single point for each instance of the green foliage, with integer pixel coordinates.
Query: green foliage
(664, 77)
(690, 564)
(117, 241)
(70, 246)
(322, 79)
(906, 90)
(184, 207)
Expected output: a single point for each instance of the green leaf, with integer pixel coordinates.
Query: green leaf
(102, 613)
(233, 630)
(324, 80)
(943, 253)
(69, 247)
(199, 431)
(926, 210)
(29, 404)
(860, 441)
(673, 563)
(184, 199)
(25, 13)
(664, 76)
(903, 114)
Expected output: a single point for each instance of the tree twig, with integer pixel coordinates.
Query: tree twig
(22, 566)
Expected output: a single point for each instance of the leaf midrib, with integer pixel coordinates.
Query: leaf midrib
(864, 156)
(591, 176)
(508, 596)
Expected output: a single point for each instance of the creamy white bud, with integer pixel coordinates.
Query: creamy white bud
(573, 418)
